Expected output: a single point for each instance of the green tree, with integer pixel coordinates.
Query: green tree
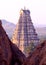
(30, 48)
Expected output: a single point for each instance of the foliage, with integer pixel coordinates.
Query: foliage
(29, 48)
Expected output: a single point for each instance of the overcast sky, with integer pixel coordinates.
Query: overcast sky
(9, 10)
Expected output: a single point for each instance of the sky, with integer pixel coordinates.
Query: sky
(9, 10)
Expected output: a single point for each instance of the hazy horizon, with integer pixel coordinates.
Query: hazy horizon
(35, 25)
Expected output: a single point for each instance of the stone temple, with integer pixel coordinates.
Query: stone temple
(24, 32)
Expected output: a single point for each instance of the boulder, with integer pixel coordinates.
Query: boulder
(38, 57)
(5, 50)
(9, 53)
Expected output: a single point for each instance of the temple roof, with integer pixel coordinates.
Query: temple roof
(25, 11)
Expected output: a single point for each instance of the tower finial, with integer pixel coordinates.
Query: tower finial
(24, 8)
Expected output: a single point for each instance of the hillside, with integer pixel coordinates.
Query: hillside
(41, 31)
(9, 27)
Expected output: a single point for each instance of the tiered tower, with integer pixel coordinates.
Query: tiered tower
(25, 32)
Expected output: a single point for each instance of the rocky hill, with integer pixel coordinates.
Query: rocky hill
(41, 32)
(9, 27)
(38, 57)
(9, 53)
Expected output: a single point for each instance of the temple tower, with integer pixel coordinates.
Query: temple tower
(24, 32)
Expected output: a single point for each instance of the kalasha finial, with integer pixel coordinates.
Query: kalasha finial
(24, 8)
(0, 22)
(21, 11)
